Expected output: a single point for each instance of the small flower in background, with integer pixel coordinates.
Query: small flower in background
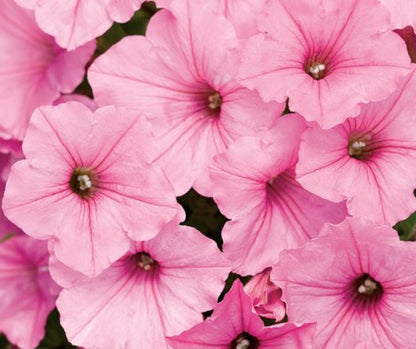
(34, 69)
(370, 159)
(186, 84)
(27, 291)
(159, 288)
(266, 296)
(234, 325)
(87, 185)
(327, 57)
(357, 281)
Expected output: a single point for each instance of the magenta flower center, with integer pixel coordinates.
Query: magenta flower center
(360, 147)
(245, 341)
(366, 291)
(145, 261)
(83, 182)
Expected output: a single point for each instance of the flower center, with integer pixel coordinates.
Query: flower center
(368, 286)
(366, 291)
(359, 147)
(244, 341)
(317, 70)
(145, 261)
(214, 101)
(83, 182)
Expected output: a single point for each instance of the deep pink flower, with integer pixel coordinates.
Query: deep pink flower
(266, 296)
(234, 325)
(27, 291)
(357, 281)
(408, 35)
(254, 185)
(370, 159)
(86, 184)
(75, 22)
(160, 287)
(182, 74)
(326, 56)
(34, 70)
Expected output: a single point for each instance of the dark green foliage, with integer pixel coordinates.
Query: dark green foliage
(203, 214)
(55, 337)
(407, 228)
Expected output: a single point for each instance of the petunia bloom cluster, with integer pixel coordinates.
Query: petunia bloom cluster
(192, 174)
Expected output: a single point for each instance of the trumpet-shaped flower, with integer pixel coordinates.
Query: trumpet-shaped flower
(27, 291)
(327, 56)
(370, 159)
(34, 70)
(357, 282)
(86, 184)
(254, 185)
(234, 325)
(159, 288)
(186, 83)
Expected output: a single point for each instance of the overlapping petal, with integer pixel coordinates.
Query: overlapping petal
(128, 306)
(379, 178)
(186, 85)
(27, 291)
(326, 56)
(34, 70)
(126, 197)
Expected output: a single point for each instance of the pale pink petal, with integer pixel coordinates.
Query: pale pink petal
(173, 83)
(403, 12)
(34, 69)
(75, 22)
(27, 291)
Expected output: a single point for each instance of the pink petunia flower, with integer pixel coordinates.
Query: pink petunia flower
(86, 184)
(326, 56)
(186, 84)
(254, 185)
(266, 296)
(34, 70)
(74, 22)
(242, 14)
(27, 291)
(370, 159)
(357, 281)
(160, 287)
(234, 325)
